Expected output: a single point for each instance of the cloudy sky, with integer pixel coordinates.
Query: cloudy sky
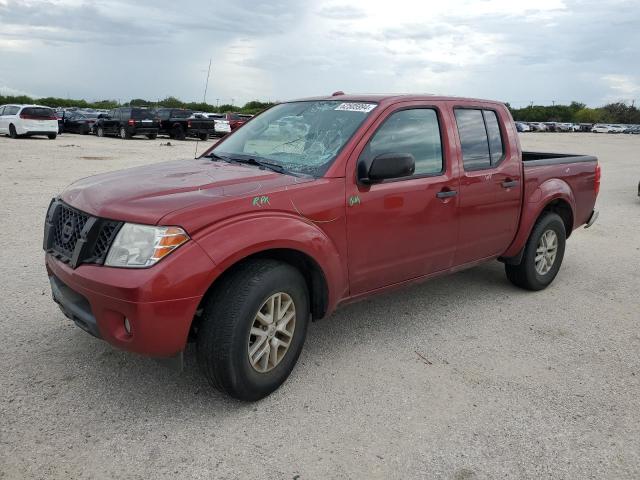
(510, 50)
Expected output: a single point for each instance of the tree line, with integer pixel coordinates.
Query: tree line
(576, 112)
(251, 107)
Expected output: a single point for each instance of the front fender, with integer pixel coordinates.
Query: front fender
(533, 205)
(229, 242)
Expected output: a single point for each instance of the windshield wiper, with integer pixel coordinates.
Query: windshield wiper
(217, 157)
(259, 163)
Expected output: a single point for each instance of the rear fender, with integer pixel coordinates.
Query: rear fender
(534, 204)
(230, 242)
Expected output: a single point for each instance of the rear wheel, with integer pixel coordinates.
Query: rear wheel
(152, 136)
(124, 133)
(12, 131)
(543, 254)
(253, 329)
(204, 137)
(178, 133)
(52, 136)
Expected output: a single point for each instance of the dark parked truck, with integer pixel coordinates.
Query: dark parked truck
(127, 122)
(312, 204)
(179, 123)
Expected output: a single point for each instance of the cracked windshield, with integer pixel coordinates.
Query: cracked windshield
(301, 137)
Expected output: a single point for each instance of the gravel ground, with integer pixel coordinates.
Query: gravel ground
(463, 377)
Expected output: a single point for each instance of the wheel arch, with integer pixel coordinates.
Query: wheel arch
(555, 196)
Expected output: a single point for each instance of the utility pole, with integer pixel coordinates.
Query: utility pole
(217, 102)
(553, 102)
(206, 85)
(233, 101)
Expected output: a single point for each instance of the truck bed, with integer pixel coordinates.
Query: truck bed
(574, 174)
(546, 158)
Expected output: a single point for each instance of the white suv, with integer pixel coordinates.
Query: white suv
(27, 120)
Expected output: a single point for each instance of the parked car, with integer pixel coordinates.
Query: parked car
(551, 126)
(28, 120)
(616, 128)
(538, 127)
(634, 129)
(236, 120)
(78, 122)
(237, 250)
(222, 126)
(180, 123)
(127, 122)
(522, 127)
(601, 128)
(564, 127)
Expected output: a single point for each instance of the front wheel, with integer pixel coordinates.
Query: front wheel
(100, 132)
(12, 132)
(253, 329)
(543, 254)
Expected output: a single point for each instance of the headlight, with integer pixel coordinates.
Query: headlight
(139, 246)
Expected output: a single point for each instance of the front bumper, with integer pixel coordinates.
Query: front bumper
(159, 302)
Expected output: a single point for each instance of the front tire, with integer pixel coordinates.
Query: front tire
(253, 329)
(543, 254)
(100, 132)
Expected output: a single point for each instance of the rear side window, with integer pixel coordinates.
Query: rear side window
(495, 137)
(414, 131)
(480, 138)
(181, 113)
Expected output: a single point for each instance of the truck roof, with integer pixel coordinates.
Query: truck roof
(389, 98)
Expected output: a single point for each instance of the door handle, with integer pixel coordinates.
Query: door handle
(446, 194)
(509, 183)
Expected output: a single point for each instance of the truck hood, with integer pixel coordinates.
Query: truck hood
(146, 194)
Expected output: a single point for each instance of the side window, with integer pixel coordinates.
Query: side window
(495, 137)
(1, 110)
(11, 110)
(415, 131)
(480, 138)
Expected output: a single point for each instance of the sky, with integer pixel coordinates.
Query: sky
(516, 51)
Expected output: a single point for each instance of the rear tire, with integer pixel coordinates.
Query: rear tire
(124, 134)
(233, 314)
(12, 132)
(532, 275)
(52, 136)
(152, 136)
(204, 137)
(178, 133)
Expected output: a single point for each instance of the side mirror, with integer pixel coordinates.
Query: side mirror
(385, 166)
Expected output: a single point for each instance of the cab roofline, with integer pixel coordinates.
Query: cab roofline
(390, 98)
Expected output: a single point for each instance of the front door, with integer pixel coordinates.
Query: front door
(490, 184)
(402, 228)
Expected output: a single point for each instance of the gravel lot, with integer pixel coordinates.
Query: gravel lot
(514, 385)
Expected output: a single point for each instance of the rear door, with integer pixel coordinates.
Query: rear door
(404, 228)
(490, 182)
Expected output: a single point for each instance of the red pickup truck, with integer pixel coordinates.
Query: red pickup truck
(312, 204)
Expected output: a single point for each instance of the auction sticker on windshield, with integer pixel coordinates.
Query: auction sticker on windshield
(356, 107)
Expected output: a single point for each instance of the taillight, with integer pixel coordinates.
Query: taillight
(131, 121)
(189, 123)
(596, 183)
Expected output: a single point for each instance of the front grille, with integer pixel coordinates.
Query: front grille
(76, 237)
(67, 229)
